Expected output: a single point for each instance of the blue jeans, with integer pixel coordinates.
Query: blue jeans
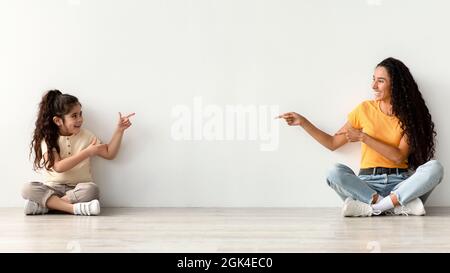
(406, 186)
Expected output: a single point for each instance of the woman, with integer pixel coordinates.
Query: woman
(398, 143)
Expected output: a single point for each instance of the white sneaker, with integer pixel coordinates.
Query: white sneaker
(33, 208)
(414, 207)
(87, 208)
(355, 208)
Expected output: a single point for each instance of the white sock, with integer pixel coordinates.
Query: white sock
(384, 204)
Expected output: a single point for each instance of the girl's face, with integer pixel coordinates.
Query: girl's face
(381, 84)
(72, 122)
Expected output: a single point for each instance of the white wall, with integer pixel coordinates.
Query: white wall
(313, 57)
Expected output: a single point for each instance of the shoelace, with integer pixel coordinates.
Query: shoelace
(34, 208)
(37, 209)
(365, 209)
(403, 211)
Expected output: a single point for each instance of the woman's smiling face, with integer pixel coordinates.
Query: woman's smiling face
(381, 84)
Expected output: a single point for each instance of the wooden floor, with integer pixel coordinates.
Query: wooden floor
(223, 230)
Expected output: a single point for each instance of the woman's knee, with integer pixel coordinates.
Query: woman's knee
(436, 169)
(335, 174)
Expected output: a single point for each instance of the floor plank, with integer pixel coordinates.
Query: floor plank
(223, 230)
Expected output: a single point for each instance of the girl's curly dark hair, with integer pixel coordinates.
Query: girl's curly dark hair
(409, 107)
(53, 104)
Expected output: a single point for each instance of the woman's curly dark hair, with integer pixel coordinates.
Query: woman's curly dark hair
(409, 107)
(53, 104)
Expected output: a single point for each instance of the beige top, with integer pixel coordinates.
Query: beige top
(70, 145)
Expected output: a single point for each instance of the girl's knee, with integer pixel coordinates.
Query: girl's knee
(94, 191)
(90, 191)
(28, 189)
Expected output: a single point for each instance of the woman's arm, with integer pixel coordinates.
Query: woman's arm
(328, 141)
(112, 148)
(395, 154)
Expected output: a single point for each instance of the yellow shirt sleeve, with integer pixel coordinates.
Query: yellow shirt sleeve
(354, 117)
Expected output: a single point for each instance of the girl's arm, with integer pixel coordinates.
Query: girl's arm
(112, 148)
(395, 154)
(331, 142)
(66, 164)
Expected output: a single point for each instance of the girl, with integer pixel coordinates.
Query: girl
(398, 142)
(63, 150)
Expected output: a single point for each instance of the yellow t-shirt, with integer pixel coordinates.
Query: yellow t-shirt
(68, 146)
(369, 117)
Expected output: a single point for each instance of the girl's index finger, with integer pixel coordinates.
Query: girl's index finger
(130, 115)
(286, 115)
